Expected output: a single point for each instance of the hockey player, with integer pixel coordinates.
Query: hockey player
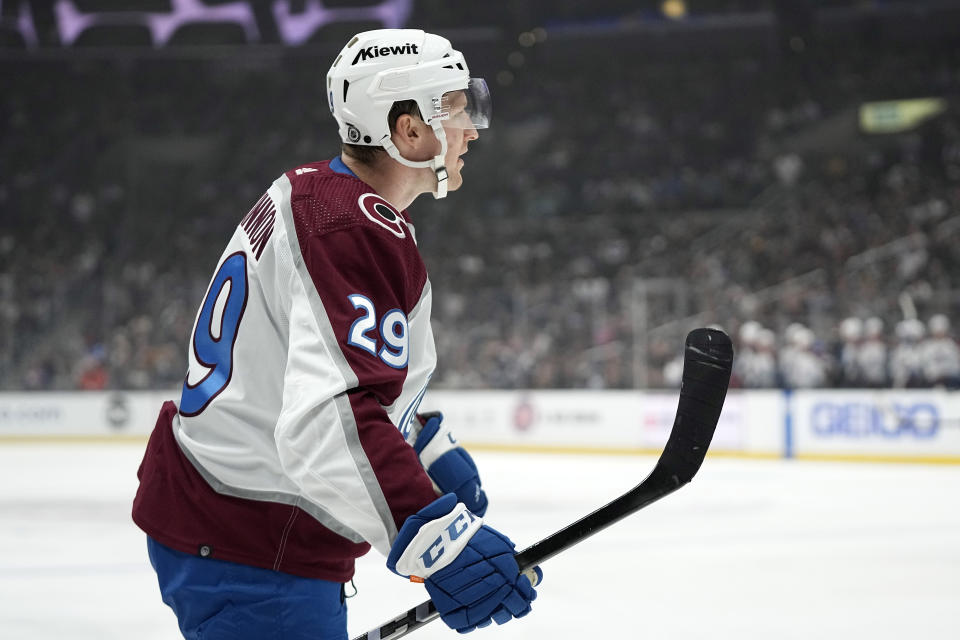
(851, 336)
(296, 444)
(940, 354)
(872, 355)
(906, 359)
(746, 347)
(761, 370)
(805, 368)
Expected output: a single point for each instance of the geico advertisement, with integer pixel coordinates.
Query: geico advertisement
(913, 422)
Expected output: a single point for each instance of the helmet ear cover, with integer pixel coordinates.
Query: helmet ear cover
(368, 153)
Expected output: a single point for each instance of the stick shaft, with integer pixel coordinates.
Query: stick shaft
(656, 486)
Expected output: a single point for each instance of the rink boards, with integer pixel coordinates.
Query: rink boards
(886, 425)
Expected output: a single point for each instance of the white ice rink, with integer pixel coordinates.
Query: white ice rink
(751, 549)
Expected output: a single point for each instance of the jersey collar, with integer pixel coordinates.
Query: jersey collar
(337, 166)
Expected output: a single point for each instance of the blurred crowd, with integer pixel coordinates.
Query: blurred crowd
(610, 208)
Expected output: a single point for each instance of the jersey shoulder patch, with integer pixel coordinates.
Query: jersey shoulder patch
(383, 214)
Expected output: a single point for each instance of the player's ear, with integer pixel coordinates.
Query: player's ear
(406, 131)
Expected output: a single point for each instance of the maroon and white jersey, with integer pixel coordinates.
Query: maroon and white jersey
(289, 448)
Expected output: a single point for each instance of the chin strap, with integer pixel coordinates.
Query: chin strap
(437, 164)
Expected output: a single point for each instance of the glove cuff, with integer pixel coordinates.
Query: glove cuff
(437, 442)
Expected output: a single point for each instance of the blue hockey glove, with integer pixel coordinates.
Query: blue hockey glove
(468, 568)
(448, 464)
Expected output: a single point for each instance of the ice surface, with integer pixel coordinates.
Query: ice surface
(751, 549)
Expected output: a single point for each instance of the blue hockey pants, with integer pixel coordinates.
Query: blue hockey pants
(218, 600)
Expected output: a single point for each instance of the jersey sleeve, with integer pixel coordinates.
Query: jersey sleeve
(355, 311)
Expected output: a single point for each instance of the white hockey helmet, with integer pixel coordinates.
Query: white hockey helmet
(873, 327)
(910, 330)
(766, 339)
(749, 331)
(851, 329)
(378, 68)
(939, 324)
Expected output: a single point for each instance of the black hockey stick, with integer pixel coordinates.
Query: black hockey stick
(708, 359)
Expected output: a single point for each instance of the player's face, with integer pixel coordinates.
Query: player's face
(459, 131)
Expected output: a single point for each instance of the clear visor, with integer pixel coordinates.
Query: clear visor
(468, 108)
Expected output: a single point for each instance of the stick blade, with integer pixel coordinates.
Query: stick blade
(707, 363)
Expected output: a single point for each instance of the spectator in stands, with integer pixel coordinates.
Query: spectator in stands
(713, 196)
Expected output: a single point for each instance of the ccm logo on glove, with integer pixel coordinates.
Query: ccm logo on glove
(438, 542)
(456, 529)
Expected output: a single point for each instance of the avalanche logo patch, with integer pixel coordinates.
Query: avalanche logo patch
(380, 211)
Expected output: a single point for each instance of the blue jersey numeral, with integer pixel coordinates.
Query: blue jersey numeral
(216, 332)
